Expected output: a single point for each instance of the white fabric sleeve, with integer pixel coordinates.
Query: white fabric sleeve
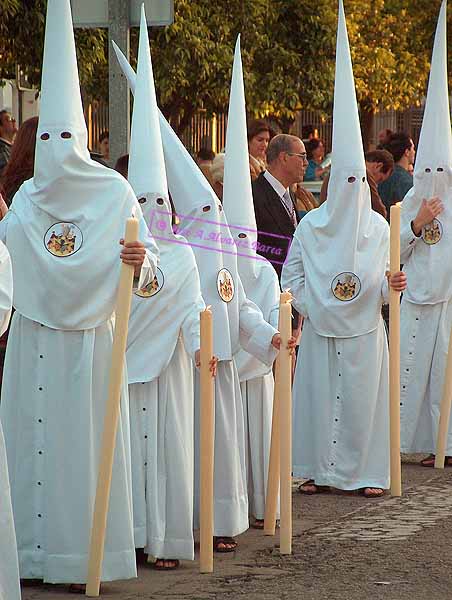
(6, 288)
(255, 333)
(407, 241)
(151, 259)
(190, 326)
(4, 225)
(293, 276)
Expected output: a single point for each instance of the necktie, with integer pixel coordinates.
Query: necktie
(288, 205)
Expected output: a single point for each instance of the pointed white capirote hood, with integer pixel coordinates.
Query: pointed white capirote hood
(147, 173)
(205, 227)
(237, 192)
(344, 243)
(70, 216)
(60, 102)
(428, 266)
(435, 141)
(347, 142)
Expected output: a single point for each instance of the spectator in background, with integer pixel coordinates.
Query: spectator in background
(122, 165)
(104, 145)
(393, 190)
(316, 153)
(259, 136)
(383, 137)
(217, 174)
(308, 133)
(204, 159)
(20, 166)
(8, 130)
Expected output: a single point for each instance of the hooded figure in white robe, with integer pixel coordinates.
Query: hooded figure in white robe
(163, 338)
(236, 321)
(63, 232)
(336, 273)
(9, 567)
(426, 310)
(261, 285)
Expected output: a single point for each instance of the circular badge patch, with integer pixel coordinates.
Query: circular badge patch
(63, 239)
(346, 286)
(153, 288)
(225, 285)
(432, 232)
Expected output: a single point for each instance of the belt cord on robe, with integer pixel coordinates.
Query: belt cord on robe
(394, 356)
(444, 414)
(207, 444)
(99, 525)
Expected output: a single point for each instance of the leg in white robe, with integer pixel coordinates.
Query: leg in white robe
(257, 395)
(9, 568)
(230, 495)
(54, 392)
(425, 331)
(341, 410)
(161, 427)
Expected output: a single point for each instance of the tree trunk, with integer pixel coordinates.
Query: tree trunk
(286, 124)
(367, 122)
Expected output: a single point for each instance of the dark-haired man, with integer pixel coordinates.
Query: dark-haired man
(393, 190)
(274, 205)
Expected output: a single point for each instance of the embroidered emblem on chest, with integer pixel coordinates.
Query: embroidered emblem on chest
(432, 232)
(63, 239)
(225, 285)
(346, 286)
(153, 288)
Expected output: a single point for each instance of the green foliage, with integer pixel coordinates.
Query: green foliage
(288, 50)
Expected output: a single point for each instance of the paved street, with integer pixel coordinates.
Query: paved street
(345, 547)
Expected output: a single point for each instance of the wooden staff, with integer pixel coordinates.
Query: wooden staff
(394, 356)
(207, 440)
(444, 415)
(99, 525)
(285, 420)
(271, 500)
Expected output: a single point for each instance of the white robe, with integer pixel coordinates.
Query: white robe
(340, 400)
(257, 397)
(161, 423)
(9, 569)
(55, 387)
(424, 340)
(53, 419)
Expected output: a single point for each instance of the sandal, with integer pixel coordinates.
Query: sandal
(429, 461)
(161, 564)
(309, 488)
(258, 524)
(224, 544)
(371, 492)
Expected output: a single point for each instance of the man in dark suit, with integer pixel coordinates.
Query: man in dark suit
(274, 204)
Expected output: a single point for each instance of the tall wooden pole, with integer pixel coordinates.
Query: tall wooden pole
(444, 415)
(207, 441)
(394, 356)
(271, 500)
(285, 411)
(99, 525)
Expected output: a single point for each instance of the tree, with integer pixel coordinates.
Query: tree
(22, 26)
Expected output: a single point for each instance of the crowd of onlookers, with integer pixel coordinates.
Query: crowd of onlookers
(389, 167)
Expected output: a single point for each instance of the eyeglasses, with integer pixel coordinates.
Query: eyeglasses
(303, 156)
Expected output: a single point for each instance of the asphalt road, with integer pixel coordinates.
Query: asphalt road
(345, 547)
